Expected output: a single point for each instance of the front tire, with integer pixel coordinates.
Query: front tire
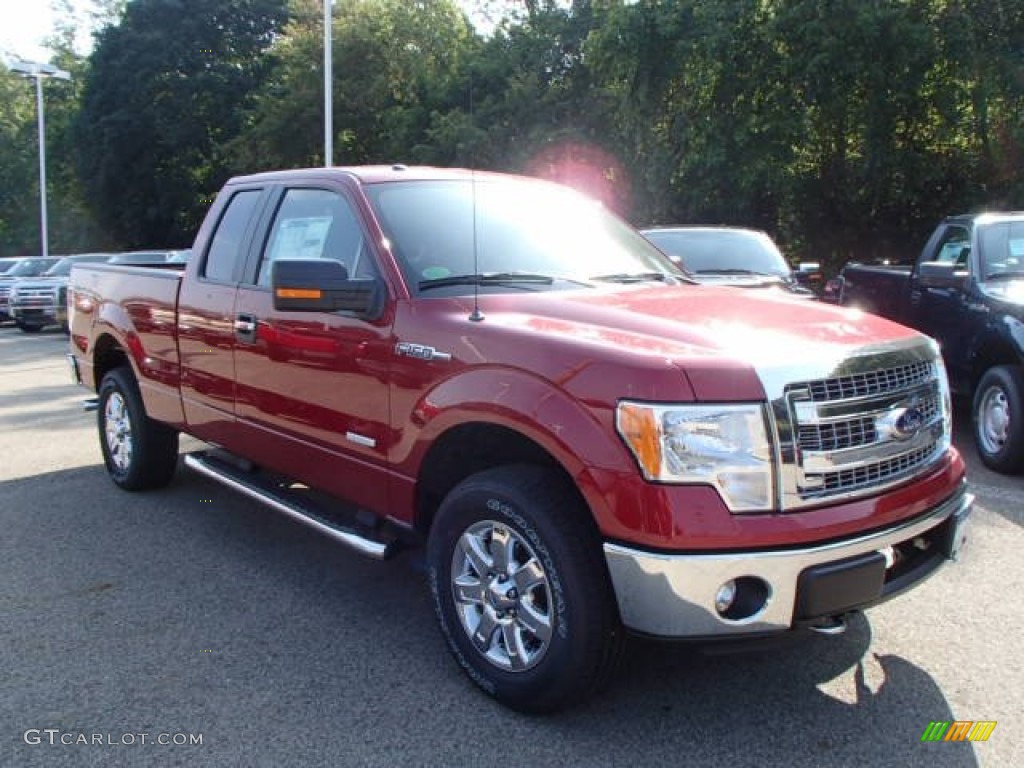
(998, 418)
(521, 589)
(139, 453)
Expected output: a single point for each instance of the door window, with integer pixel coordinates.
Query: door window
(316, 224)
(955, 247)
(1002, 249)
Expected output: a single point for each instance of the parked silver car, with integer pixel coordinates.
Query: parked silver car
(29, 266)
(39, 301)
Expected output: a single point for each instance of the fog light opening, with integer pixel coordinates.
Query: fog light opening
(742, 599)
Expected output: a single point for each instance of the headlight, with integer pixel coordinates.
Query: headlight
(946, 400)
(725, 446)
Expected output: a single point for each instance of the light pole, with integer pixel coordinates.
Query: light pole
(39, 72)
(328, 89)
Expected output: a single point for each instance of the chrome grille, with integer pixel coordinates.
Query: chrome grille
(871, 383)
(831, 437)
(855, 431)
(878, 422)
(871, 475)
(33, 296)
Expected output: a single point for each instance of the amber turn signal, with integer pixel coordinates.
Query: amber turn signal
(299, 293)
(638, 426)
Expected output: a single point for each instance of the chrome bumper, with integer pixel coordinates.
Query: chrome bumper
(48, 314)
(675, 595)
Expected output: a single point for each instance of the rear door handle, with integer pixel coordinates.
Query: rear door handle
(245, 328)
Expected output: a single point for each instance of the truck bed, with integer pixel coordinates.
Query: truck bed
(140, 301)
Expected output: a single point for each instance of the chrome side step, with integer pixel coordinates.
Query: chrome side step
(367, 542)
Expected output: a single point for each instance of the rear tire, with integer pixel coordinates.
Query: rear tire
(521, 589)
(998, 418)
(139, 453)
(28, 328)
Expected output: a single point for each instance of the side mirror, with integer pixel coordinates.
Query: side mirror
(322, 285)
(941, 274)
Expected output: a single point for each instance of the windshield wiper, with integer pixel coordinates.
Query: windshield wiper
(487, 278)
(1014, 274)
(631, 277)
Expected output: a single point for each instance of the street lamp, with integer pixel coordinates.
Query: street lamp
(328, 89)
(39, 72)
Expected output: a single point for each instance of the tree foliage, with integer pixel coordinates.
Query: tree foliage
(394, 62)
(165, 94)
(845, 128)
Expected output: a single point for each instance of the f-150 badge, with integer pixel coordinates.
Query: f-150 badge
(420, 352)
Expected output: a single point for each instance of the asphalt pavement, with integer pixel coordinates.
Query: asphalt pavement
(193, 627)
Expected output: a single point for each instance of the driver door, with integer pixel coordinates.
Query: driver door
(312, 387)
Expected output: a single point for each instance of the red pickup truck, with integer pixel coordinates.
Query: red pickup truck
(500, 370)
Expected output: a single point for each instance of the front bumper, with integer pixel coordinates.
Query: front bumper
(35, 314)
(675, 595)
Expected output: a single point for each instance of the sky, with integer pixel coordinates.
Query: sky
(24, 24)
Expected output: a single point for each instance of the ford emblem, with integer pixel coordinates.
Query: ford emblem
(909, 422)
(900, 423)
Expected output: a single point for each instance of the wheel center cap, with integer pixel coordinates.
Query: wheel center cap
(498, 595)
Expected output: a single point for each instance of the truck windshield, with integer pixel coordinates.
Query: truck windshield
(1002, 250)
(63, 267)
(445, 229)
(30, 267)
(721, 251)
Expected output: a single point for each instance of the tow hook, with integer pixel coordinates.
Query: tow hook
(831, 625)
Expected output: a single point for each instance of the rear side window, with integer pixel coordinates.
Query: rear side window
(226, 245)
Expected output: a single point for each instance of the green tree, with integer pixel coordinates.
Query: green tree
(164, 95)
(982, 81)
(394, 64)
(19, 189)
(72, 226)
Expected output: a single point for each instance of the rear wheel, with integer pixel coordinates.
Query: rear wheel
(139, 453)
(998, 418)
(521, 589)
(29, 327)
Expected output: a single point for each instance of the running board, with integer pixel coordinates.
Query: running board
(360, 538)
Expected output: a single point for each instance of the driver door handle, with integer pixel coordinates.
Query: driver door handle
(245, 328)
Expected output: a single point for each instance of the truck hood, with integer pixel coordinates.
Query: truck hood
(708, 332)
